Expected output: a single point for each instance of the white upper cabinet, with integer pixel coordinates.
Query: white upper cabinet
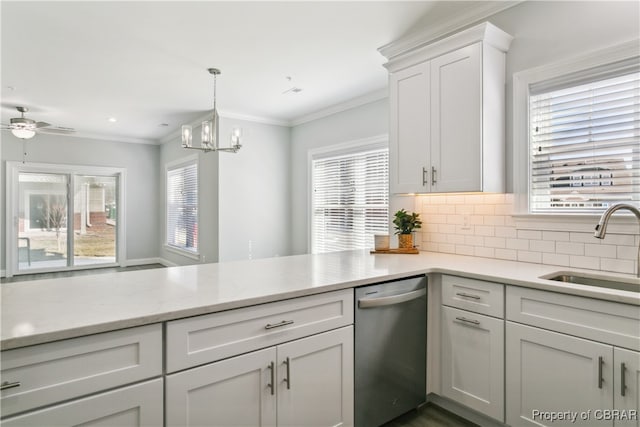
(447, 113)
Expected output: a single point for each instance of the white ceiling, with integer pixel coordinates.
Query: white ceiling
(76, 64)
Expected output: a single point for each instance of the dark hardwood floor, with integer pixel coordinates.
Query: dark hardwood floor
(429, 415)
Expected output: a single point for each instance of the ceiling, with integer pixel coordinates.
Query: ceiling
(77, 64)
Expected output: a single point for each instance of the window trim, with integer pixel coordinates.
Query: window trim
(521, 82)
(353, 146)
(174, 164)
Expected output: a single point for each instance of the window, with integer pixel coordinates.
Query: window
(584, 140)
(350, 201)
(182, 206)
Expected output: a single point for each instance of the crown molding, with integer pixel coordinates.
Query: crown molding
(254, 119)
(343, 106)
(417, 39)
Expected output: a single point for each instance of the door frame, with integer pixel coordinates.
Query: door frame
(12, 207)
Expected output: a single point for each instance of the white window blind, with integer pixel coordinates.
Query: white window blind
(182, 207)
(350, 200)
(585, 141)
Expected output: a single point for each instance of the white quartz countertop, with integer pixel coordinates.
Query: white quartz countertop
(34, 312)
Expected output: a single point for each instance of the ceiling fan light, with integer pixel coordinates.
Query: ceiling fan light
(23, 133)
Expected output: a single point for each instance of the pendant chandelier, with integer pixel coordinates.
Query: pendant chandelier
(210, 129)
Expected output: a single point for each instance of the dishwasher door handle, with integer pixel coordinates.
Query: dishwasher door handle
(391, 300)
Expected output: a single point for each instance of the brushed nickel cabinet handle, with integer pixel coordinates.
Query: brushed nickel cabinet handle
(279, 324)
(288, 378)
(433, 175)
(623, 382)
(425, 176)
(464, 295)
(271, 385)
(6, 385)
(600, 364)
(464, 319)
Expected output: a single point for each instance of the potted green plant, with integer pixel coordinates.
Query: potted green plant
(405, 223)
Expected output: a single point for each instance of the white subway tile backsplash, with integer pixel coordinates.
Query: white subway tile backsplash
(542, 246)
(584, 262)
(583, 238)
(527, 256)
(620, 239)
(482, 225)
(518, 244)
(602, 251)
(627, 252)
(485, 230)
(508, 254)
(530, 234)
(484, 252)
(495, 242)
(464, 250)
(570, 248)
(561, 236)
(506, 232)
(474, 240)
(555, 259)
(618, 265)
(493, 220)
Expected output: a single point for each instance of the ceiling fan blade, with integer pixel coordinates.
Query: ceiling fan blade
(56, 131)
(42, 125)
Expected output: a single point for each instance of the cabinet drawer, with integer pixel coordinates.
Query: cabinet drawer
(198, 340)
(603, 321)
(473, 295)
(133, 406)
(61, 370)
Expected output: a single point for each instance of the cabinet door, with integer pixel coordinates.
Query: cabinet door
(409, 130)
(456, 120)
(627, 375)
(133, 406)
(473, 361)
(315, 380)
(232, 392)
(552, 373)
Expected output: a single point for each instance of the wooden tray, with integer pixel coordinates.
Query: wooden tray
(396, 251)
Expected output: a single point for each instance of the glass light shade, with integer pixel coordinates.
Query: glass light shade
(206, 132)
(187, 136)
(23, 133)
(236, 134)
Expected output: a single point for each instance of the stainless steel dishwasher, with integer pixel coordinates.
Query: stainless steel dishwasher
(390, 350)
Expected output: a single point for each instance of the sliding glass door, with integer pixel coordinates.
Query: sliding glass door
(42, 221)
(94, 220)
(62, 219)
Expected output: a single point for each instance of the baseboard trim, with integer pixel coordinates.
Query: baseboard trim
(145, 261)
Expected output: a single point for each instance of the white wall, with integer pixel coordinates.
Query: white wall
(366, 121)
(243, 197)
(207, 201)
(254, 199)
(140, 161)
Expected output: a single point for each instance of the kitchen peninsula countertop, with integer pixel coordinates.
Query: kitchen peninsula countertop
(34, 312)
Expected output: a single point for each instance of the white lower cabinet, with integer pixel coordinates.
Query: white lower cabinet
(550, 374)
(132, 406)
(626, 385)
(305, 382)
(473, 361)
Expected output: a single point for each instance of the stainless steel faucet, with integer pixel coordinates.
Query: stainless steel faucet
(601, 228)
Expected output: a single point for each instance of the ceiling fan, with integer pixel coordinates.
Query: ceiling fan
(25, 128)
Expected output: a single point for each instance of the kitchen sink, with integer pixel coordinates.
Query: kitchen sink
(629, 285)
